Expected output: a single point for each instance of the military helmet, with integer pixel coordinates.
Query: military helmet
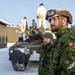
(57, 12)
(41, 4)
(24, 18)
(33, 20)
(48, 34)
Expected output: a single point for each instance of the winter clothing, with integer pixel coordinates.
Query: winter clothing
(48, 35)
(41, 15)
(22, 25)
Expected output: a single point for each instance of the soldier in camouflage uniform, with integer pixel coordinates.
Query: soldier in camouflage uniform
(48, 56)
(65, 44)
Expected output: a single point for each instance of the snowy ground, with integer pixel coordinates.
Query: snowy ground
(6, 67)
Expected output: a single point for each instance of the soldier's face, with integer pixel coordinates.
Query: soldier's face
(54, 22)
(46, 41)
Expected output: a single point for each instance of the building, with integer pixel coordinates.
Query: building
(8, 34)
(3, 32)
(12, 35)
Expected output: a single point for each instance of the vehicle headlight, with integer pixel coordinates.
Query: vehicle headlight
(27, 50)
(11, 51)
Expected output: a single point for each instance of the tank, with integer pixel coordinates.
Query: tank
(23, 52)
(26, 49)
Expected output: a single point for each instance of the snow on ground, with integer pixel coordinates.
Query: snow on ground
(6, 67)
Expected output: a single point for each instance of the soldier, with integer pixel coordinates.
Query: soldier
(59, 19)
(48, 56)
(22, 27)
(26, 26)
(34, 25)
(41, 15)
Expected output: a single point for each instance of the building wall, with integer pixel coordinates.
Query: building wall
(12, 34)
(3, 41)
(8, 34)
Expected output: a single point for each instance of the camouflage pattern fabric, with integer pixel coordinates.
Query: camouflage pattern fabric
(48, 61)
(66, 46)
(59, 58)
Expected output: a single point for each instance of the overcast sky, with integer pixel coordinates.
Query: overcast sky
(13, 11)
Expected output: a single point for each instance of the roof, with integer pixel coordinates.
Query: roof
(4, 22)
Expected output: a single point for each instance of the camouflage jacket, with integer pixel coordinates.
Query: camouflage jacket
(66, 49)
(48, 61)
(52, 60)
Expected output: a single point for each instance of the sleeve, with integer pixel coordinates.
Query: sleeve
(66, 52)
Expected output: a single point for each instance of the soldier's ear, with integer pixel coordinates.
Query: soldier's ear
(64, 20)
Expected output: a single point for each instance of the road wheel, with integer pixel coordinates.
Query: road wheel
(17, 66)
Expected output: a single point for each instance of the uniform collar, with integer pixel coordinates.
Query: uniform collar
(62, 31)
